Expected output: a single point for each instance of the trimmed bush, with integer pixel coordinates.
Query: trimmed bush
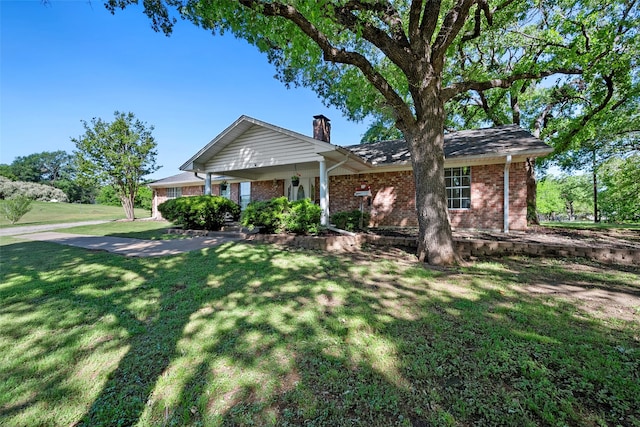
(15, 208)
(278, 215)
(31, 190)
(302, 217)
(350, 220)
(199, 212)
(268, 215)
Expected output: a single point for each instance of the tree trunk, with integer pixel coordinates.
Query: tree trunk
(426, 139)
(127, 204)
(532, 191)
(595, 188)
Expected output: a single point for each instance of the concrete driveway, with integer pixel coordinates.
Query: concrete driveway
(118, 245)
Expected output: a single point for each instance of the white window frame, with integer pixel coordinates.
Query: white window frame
(458, 187)
(174, 192)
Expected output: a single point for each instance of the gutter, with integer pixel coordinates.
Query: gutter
(507, 164)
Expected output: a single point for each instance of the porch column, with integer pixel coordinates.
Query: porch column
(324, 194)
(506, 193)
(207, 184)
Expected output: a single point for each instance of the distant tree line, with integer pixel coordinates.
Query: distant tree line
(108, 167)
(616, 197)
(53, 175)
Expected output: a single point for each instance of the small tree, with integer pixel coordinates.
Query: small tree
(15, 208)
(119, 153)
(549, 197)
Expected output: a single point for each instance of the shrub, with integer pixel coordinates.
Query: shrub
(350, 220)
(15, 208)
(302, 217)
(278, 215)
(199, 212)
(268, 215)
(31, 190)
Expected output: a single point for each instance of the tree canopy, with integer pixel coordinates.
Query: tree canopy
(409, 58)
(118, 153)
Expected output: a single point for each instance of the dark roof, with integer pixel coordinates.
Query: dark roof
(181, 178)
(497, 141)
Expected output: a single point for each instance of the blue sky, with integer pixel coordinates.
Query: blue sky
(73, 60)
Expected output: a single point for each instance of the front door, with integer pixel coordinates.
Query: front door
(303, 190)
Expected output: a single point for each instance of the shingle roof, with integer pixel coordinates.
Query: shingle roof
(497, 141)
(181, 178)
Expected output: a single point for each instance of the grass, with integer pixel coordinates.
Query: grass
(54, 213)
(148, 230)
(590, 225)
(255, 335)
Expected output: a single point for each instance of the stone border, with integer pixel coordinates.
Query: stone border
(465, 247)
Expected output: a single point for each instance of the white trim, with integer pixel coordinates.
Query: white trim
(207, 185)
(505, 212)
(324, 194)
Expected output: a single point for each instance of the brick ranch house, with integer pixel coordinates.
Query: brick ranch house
(253, 160)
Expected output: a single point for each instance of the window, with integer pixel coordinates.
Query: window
(174, 192)
(225, 191)
(458, 183)
(245, 194)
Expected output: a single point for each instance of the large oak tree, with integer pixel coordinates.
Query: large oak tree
(370, 56)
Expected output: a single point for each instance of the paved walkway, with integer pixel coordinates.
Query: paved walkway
(14, 231)
(118, 245)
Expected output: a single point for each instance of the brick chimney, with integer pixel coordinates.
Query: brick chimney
(321, 128)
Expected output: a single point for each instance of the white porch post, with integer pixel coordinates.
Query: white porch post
(324, 194)
(207, 184)
(506, 193)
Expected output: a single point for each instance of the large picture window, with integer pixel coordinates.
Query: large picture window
(458, 183)
(174, 192)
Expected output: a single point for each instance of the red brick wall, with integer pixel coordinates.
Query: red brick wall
(265, 190)
(487, 199)
(393, 197)
(392, 201)
(518, 196)
(160, 196)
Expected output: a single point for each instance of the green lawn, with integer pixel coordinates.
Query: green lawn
(255, 335)
(590, 225)
(54, 213)
(149, 230)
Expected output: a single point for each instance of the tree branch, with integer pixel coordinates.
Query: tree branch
(395, 47)
(334, 54)
(566, 140)
(456, 88)
(429, 19)
(451, 26)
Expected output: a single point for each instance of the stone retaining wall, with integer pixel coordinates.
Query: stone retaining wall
(465, 247)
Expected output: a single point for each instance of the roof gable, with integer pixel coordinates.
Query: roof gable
(251, 141)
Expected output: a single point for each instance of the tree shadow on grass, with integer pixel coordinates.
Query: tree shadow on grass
(250, 334)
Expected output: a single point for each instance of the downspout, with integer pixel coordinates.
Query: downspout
(507, 164)
(324, 188)
(207, 184)
(324, 217)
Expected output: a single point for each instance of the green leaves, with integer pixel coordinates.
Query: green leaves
(15, 208)
(119, 153)
(199, 212)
